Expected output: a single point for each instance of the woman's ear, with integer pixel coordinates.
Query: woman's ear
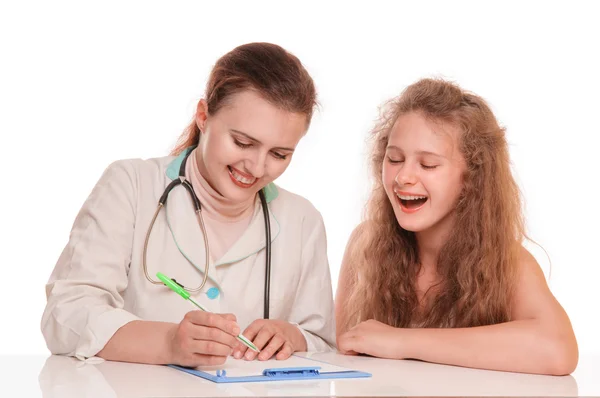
(201, 114)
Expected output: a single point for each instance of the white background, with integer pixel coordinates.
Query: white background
(84, 85)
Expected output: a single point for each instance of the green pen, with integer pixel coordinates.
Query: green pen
(174, 286)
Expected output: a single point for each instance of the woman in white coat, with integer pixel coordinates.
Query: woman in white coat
(103, 301)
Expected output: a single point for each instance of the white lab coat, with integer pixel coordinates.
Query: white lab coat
(98, 284)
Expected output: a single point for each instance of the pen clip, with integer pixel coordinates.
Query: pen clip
(174, 280)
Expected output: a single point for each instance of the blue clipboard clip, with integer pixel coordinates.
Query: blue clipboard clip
(283, 373)
(293, 373)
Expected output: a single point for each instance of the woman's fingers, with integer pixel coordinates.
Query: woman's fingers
(286, 351)
(275, 343)
(260, 341)
(202, 318)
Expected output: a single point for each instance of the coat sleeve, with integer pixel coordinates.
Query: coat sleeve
(313, 309)
(84, 294)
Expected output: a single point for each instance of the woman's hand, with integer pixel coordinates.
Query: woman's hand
(203, 338)
(272, 337)
(372, 338)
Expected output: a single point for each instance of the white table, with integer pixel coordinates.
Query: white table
(63, 377)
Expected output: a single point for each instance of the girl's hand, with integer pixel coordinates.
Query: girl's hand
(372, 338)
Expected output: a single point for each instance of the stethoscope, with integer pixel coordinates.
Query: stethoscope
(162, 202)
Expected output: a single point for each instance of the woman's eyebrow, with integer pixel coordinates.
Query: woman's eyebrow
(257, 141)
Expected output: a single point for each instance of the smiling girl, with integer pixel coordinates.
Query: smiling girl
(437, 271)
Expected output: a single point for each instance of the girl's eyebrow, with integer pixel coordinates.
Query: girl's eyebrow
(418, 152)
(430, 153)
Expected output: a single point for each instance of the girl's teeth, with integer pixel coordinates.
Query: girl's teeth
(404, 197)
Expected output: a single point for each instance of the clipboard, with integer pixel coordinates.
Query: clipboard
(294, 368)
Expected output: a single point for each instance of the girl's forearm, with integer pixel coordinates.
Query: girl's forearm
(519, 346)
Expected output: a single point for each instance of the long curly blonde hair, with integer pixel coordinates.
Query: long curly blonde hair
(477, 265)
